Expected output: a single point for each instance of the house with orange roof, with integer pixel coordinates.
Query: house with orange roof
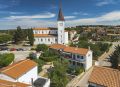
(77, 56)
(52, 35)
(5, 83)
(23, 72)
(104, 77)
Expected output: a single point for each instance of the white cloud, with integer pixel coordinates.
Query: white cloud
(80, 13)
(70, 17)
(16, 13)
(106, 2)
(108, 18)
(44, 15)
(111, 18)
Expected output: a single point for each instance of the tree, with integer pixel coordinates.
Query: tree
(42, 47)
(4, 38)
(19, 35)
(115, 58)
(6, 59)
(58, 75)
(30, 36)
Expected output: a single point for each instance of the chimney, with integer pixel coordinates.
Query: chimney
(89, 48)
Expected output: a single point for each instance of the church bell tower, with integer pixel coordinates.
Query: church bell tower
(61, 27)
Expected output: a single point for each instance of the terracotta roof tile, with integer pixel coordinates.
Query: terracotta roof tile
(105, 76)
(44, 28)
(75, 50)
(45, 35)
(4, 83)
(18, 69)
(57, 46)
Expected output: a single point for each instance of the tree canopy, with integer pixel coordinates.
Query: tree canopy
(115, 57)
(19, 35)
(58, 74)
(30, 36)
(4, 38)
(42, 47)
(6, 59)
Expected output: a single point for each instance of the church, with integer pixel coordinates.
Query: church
(52, 35)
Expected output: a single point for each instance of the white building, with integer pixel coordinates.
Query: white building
(52, 35)
(76, 56)
(25, 71)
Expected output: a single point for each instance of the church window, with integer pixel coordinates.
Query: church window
(48, 39)
(56, 40)
(41, 39)
(42, 32)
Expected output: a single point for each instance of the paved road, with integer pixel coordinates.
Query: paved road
(19, 55)
(83, 82)
(102, 59)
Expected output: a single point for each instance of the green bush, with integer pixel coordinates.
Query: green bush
(42, 47)
(6, 59)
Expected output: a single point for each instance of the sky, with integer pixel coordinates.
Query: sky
(43, 13)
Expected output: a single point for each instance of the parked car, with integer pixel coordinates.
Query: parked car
(4, 49)
(13, 49)
(20, 49)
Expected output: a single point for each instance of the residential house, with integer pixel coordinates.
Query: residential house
(25, 71)
(104, 77)
(76, 56)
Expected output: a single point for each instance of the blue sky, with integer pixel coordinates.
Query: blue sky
(43, 13)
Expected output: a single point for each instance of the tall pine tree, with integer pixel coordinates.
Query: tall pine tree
(31, 36)
(19, 35)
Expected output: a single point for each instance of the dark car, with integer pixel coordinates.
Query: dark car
(20, 49)
(4, 48)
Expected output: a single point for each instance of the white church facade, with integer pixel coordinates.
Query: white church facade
(52, 35)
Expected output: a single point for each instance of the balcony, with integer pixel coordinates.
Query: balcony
(74, 59)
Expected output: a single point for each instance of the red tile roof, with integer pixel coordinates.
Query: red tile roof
(75, 50)
(105, 76)
(44, 28)
(44, 35)
(18, 69)
(57, 46)
(4, 83)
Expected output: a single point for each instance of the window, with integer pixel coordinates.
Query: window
(61, 36)
(73, 62)
(48, 39)
(41, 40)
(88, 55)
(42, 32)
(56, 40)
(74, 56)
(82, 57)
(78, 56)
(35, 32)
